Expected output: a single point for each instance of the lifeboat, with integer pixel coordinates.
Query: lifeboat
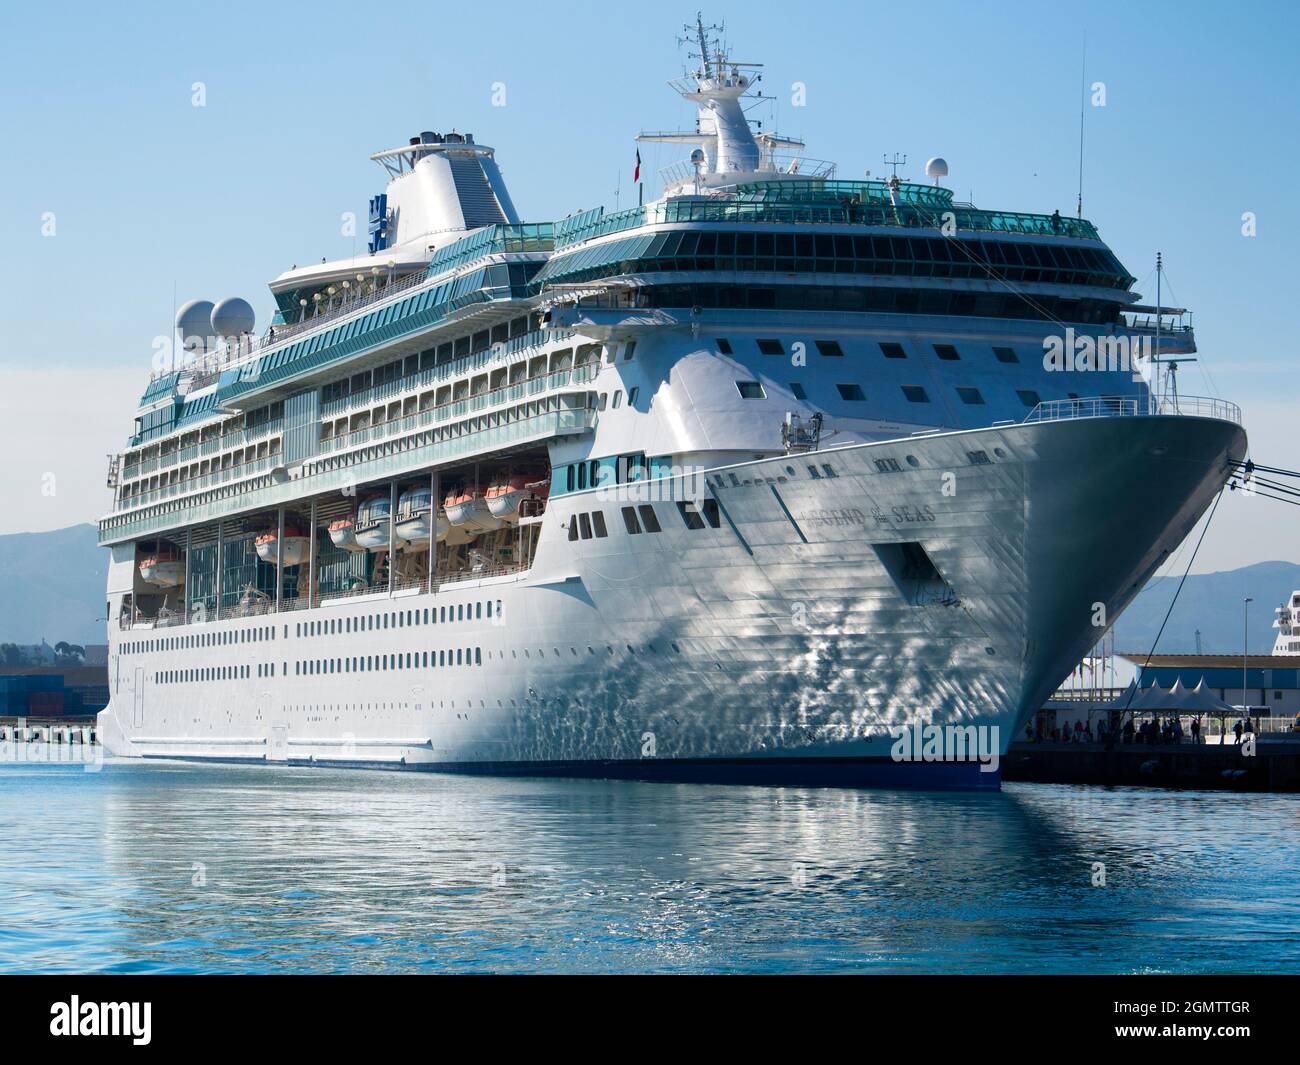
(467, 510)
(372, 523)
(163, 568)
(297, 546)
(343, 533)
(507, 495)
(413, 516)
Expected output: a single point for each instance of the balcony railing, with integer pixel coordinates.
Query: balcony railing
(789, 164)
(1133, 406)
(830, 211)
(212, 446)
(466, 364)
(457, 408)
(556, 414)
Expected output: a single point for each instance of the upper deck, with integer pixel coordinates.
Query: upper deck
(446, 345)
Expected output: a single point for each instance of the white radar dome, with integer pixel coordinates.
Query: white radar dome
(232, 317)
(936, 168)
(194, 324)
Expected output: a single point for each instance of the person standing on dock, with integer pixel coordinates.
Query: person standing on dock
(1196, 730)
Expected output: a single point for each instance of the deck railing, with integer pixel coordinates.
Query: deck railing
(1133, 406)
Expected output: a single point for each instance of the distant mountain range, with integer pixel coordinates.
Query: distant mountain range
(1212, 603)
(53, 589)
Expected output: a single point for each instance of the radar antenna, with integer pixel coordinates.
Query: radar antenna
(699, 33)
(895, 162)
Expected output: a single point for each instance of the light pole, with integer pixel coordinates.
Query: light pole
(1245, 648)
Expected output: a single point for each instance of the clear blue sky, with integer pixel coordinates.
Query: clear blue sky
(149, 192)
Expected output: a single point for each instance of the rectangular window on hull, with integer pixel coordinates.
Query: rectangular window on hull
(690, 516)
(851, 393)
(892, 351)
(770, 347)
(629, 521)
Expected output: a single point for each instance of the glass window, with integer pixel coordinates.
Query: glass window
(852, 393)
(690, 516)
(648, 518)
(1006, 355)
(598, 523)
(629, 520)
(724, 346)
(1028, 397)
(946, 352)
(830, 348)
(971, 396)
(584, 525)
(892, 351)
(750, 390)
(770, 347)
(797, 390)
(915, 394)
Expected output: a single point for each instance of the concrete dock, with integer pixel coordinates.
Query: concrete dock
(1274, 766)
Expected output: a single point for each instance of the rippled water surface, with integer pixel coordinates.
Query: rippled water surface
(167, 867)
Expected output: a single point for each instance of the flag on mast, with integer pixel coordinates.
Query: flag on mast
(636, 173)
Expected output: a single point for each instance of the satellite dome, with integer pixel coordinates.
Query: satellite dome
(232, 317)
(936, 167)
(697, 157)
(194, 324)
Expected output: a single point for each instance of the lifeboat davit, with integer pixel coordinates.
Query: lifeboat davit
(372, 523)
(507, 495)
(343, 533)
(466, 509)
(296, 547)
(163, 568)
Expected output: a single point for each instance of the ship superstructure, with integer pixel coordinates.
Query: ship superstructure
(1287, 622)
(723, 486)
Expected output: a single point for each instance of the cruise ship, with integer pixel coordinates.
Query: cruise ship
(732, 485)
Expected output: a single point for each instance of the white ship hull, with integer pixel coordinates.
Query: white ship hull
(781, 645)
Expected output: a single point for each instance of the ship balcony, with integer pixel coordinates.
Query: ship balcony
(214, 445)
(407, 444)
(460, 408)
